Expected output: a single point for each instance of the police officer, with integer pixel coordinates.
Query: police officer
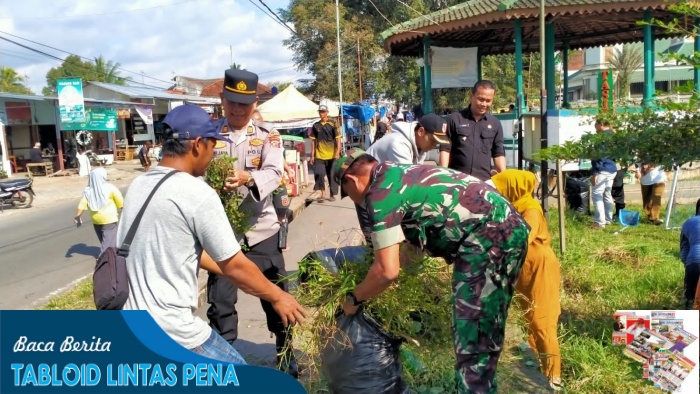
(258, 172)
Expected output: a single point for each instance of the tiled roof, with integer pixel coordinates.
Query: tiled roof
(489, 24)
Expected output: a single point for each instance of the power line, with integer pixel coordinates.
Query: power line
(102, 14)
(323, 58)
(62, 60)
(82, 57)
(278, 18)
(272, 17)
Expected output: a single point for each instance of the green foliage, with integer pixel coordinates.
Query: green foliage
(218, 170)
(73, 66)
(12, 82)
(315, 47)
(417, 308)
(625, 61)
(665, 138)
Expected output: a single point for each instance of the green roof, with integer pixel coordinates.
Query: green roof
(489, 24)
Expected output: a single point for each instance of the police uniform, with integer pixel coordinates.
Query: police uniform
(258, 149)
(473, 143)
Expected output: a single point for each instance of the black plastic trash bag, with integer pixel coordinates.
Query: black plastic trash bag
(361, 358)
(578, 194)
(334, 258)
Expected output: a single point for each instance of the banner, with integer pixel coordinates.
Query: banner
(123, 113)
(605, 90)
(145, 112)
(453, 67)
(115, 352)
(97, 119)
(70, 100)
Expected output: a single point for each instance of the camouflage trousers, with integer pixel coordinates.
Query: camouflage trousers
(482, 289)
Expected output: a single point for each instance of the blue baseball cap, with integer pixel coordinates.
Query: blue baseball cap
(188, 122)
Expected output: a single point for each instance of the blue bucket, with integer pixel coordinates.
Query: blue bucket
(628, 218)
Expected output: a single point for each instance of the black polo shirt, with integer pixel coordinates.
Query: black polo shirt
(473, 143)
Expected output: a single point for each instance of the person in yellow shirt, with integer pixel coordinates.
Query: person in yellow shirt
(325, 150)
(539, 280)
(103, 200)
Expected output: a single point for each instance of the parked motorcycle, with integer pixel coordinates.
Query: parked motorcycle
(17, 192)
(94, 159)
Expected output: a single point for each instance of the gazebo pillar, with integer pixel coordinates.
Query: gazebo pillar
(565, 77)
(519, 92)
(649, 84)
(549, 66)
(479, 75)
(427, 94)
(696, 72)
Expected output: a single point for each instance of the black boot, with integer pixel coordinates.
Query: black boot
(286, 362)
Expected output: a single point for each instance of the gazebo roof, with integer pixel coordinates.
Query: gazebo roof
(489, 25)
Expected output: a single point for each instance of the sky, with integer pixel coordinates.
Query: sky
(152, 40)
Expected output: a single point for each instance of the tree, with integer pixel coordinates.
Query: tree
(279, 85)
(74, 67)
(107, 71)
(12, 82)
(237, 66)
(625, 61)
(315, 47)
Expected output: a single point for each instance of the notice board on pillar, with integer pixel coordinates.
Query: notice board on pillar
(453, 67)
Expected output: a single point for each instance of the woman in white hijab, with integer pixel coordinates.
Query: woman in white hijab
(103, 200)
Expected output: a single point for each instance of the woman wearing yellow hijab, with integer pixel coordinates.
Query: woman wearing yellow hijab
(540, 277)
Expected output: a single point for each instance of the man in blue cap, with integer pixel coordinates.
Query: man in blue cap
(187, 227)
(258, 173)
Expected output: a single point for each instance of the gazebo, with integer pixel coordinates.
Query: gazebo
(512, 26)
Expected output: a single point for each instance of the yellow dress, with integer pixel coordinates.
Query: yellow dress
(539, 281)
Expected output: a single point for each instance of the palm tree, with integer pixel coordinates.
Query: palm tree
(237, 66)
(625, 61)
(108, 71)
(12, 82)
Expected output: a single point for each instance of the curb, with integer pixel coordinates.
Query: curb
(296, 206)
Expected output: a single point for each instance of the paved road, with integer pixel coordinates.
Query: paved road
(42, 252)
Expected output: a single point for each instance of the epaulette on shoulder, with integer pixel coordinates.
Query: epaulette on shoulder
(264, 126)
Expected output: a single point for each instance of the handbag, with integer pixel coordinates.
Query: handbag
(110, 279)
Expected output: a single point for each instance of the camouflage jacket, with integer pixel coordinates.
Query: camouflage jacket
(259, 150)
(445, 212)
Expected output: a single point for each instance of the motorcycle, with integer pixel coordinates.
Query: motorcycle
(17, 192)
(94, 159)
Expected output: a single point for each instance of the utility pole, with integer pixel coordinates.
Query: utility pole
(340, 77)
(359, 67)
(543, 113)
(230, 48)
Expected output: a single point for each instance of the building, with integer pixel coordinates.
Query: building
(585, 65)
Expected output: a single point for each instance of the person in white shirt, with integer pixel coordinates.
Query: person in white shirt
(408, 143)
(653, 180)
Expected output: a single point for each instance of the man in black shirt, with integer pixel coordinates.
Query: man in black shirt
(35, 153)
(476, 136)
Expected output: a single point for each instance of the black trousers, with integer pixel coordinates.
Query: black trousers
(692, 274)
(222, 294)
(618, 191)
(324, 168)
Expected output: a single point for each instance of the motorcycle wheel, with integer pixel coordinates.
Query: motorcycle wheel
(22, 199)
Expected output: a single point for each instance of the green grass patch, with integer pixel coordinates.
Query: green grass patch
(639, 268)
(78, 298)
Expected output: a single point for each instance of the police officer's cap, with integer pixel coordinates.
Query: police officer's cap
(240, 86)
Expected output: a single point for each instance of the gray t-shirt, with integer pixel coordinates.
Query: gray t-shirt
(184, 217)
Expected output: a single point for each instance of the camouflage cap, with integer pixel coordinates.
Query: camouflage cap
(342, 164)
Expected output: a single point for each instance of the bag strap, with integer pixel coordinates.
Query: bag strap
(123, 250)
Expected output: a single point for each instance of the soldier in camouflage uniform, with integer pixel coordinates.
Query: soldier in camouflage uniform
(451, 215)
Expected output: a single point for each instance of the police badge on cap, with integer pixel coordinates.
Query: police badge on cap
(240, 86)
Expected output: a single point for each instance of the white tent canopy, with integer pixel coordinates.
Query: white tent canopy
(287, 106)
